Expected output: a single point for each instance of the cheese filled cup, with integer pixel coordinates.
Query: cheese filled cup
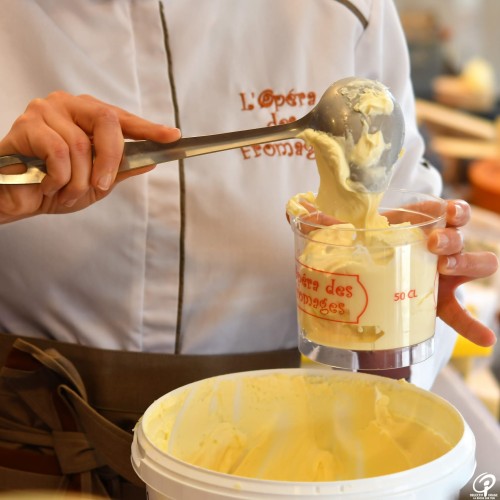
(367, 297)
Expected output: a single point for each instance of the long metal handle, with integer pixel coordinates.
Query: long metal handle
(139, 154)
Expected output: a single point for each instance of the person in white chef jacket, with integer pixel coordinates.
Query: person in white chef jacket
(189, 268)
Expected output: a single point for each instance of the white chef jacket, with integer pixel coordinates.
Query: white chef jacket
(195, 257)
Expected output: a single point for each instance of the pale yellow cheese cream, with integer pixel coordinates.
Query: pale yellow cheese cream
(362, 284)
(299, 428)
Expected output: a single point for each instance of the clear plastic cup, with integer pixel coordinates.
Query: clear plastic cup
(366, 298)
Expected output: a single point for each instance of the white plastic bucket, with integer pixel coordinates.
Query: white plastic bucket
(167, 477)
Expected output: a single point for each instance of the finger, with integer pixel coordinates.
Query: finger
(103, 124)
(108, 147)
(47, 144)
(80, 155)
(30, 135)
(445, 241)
(458, 213)
(465, 324)
(80, 149)
(68, 170)
(472, 265)
(133, 126)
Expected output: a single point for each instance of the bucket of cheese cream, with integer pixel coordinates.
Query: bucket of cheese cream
(305, 434)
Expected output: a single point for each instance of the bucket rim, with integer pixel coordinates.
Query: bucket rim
(154, 466)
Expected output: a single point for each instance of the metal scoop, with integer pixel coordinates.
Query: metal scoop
(334, 114)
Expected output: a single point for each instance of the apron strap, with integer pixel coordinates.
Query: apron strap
(67, 411)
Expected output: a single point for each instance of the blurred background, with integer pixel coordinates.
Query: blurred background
(455, 62)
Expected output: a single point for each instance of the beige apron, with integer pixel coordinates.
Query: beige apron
(67, 412)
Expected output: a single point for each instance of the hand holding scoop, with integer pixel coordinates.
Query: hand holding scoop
(339, 113)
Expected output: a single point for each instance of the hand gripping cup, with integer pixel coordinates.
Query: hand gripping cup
(366, 298)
